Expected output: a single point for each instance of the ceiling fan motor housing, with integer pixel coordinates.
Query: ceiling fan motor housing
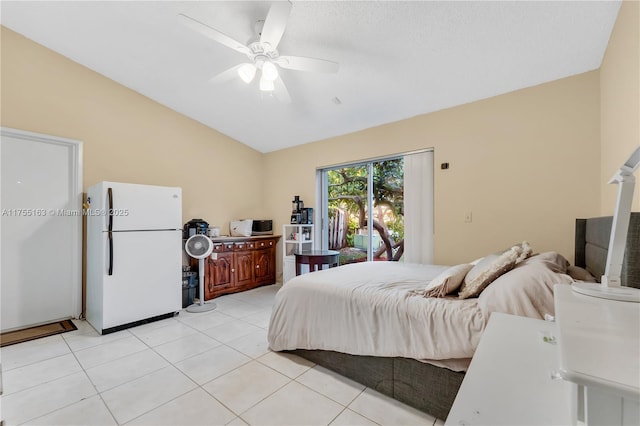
(262, 51)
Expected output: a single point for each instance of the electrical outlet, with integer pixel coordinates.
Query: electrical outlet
(468, 218)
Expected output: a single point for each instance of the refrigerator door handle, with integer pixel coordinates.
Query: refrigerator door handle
(110, 238)
(110, 228)
(110, 207)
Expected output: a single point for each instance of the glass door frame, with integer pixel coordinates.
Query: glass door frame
(323, 202)
(321, 232)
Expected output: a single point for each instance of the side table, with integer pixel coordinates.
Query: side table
(316, 259)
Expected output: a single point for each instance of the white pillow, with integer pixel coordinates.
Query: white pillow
(448, 281)
(241, 228)
(526, 290)
(487, 270)
(580, 274)
(480, 265)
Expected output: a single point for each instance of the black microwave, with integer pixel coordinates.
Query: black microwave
(262, 227)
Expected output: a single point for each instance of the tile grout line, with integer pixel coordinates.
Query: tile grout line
(34, 362)
(36, 385)
(100, 393)
(201, 386)
(164, 403)
(83, 370)
(92, 384)
(171, 364)
(229, 408)
(238, 416)
(111, 360)
(345, 407)
(197, 385)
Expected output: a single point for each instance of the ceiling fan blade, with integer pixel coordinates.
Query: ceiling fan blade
(275, 23)
(281, 91)
(300, 63)
(226, 76)
(213, 34)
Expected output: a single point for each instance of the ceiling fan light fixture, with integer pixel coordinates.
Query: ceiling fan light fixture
(269, 71)
(262, 52)
(247, 72)
(266, 85)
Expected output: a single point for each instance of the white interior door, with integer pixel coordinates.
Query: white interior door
(41, 228)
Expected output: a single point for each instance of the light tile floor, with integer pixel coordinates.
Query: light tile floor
(212, 368)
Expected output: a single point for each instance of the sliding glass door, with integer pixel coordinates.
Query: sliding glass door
(347, 195)
(363, 207)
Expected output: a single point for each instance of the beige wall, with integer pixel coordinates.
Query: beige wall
(526, 164)
(620, 101)
(126, 136)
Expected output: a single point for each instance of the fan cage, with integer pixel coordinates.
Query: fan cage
(199, 246)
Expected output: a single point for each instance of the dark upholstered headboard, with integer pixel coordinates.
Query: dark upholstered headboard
(592, 242)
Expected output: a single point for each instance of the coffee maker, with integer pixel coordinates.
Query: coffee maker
(299, 214)
(296, 212)
(193, 227)
(307, 216)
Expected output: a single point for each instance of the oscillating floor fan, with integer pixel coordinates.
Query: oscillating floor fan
(200, 247)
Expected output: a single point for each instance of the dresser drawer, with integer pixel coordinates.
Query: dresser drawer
(265, 244)
(218, 247)
(242, 245)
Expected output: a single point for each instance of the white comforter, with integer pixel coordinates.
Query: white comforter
(372, 309)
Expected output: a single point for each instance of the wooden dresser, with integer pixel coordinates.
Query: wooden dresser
(239, 264)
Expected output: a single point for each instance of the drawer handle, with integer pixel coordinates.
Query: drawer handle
(257, 266)
(233, 270)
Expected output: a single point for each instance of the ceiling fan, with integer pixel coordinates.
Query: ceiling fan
(262, 52)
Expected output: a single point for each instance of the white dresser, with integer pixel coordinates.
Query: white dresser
(509, 381)
(599, 342)
(583, 368)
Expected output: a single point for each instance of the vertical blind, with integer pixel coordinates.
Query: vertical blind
(418, 208)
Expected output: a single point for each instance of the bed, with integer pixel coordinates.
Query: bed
(371, 322)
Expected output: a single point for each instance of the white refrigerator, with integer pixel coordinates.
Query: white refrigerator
(134, 254)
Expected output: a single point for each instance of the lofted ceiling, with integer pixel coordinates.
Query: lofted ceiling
(398, 59)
